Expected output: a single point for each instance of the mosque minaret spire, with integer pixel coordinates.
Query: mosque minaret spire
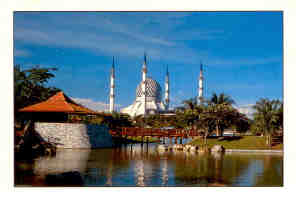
(200, 85)
(144, 76)
(112, 96)
(167, 90)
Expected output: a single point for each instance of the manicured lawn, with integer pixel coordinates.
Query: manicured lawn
(244, 142)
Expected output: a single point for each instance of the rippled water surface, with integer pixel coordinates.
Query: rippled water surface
(138, 165)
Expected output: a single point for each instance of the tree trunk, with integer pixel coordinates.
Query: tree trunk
(217, 129)
(205, 140)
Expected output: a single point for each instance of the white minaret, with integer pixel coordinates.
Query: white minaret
(167, 90)
(144, 76)
(200, 85)
(112, 88)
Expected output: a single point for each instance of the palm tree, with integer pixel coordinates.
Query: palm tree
(190, 103)
(267, 116)
(205, 123)
(280, 113)
(220, 104)
(221, 99)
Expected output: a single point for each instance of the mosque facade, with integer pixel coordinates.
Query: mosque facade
(149, 94)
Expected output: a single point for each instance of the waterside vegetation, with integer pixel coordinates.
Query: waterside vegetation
(208, 116)
(239, 142)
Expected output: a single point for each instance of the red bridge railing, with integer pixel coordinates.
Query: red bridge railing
(154, 132)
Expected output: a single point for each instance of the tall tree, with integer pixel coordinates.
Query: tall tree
(268, 117)
(220, 99)
(29, 85)
(220, 104)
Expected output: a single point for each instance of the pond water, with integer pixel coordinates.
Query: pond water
(136, 165)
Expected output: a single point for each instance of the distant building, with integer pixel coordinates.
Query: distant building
(149, 94)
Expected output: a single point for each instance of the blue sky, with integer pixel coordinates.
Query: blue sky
(242, 52)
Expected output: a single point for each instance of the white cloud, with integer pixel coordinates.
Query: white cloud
(176, 99)
(247, 110)
(94, 105)
(21, 53)
(133, 35)
(125, 35)
(243, 62)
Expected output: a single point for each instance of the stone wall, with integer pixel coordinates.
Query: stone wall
(72, 135)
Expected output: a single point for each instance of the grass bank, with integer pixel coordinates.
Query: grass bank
(242, 142)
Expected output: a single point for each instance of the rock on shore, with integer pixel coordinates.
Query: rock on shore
(162, 147)
(191, 148)
(217, 148)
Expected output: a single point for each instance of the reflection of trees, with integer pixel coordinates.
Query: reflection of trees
(233, 166)
(239, 164)
(219, 170)
(141, 165)
(272, 172)
(104, 164)
(190, 169)
(24, 174)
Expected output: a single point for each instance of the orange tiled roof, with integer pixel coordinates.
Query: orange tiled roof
(58, 103)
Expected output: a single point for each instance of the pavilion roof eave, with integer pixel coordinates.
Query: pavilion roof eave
(59, 103)
(67, 112)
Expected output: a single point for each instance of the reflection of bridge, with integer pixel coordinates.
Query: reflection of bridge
(170, 134)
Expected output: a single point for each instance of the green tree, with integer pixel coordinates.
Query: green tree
(119, 120)
(221, 107)
(190, 104)
(205, 123)
(220, 99)
(268, 117)
(29, 85)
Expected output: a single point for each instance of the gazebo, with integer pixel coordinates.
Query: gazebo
(55, 109)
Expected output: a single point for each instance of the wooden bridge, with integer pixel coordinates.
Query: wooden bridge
(161, 134)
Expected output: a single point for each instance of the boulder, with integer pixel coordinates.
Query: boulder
(178, 147)
(162, 147)
(187, 147)
(217, 148)
(203, 149)
(193, 148)
(175, 146)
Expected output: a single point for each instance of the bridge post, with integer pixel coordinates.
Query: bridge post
(147, 139)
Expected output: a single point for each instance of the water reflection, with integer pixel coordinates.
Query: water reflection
(66, 160)
(138, 165)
